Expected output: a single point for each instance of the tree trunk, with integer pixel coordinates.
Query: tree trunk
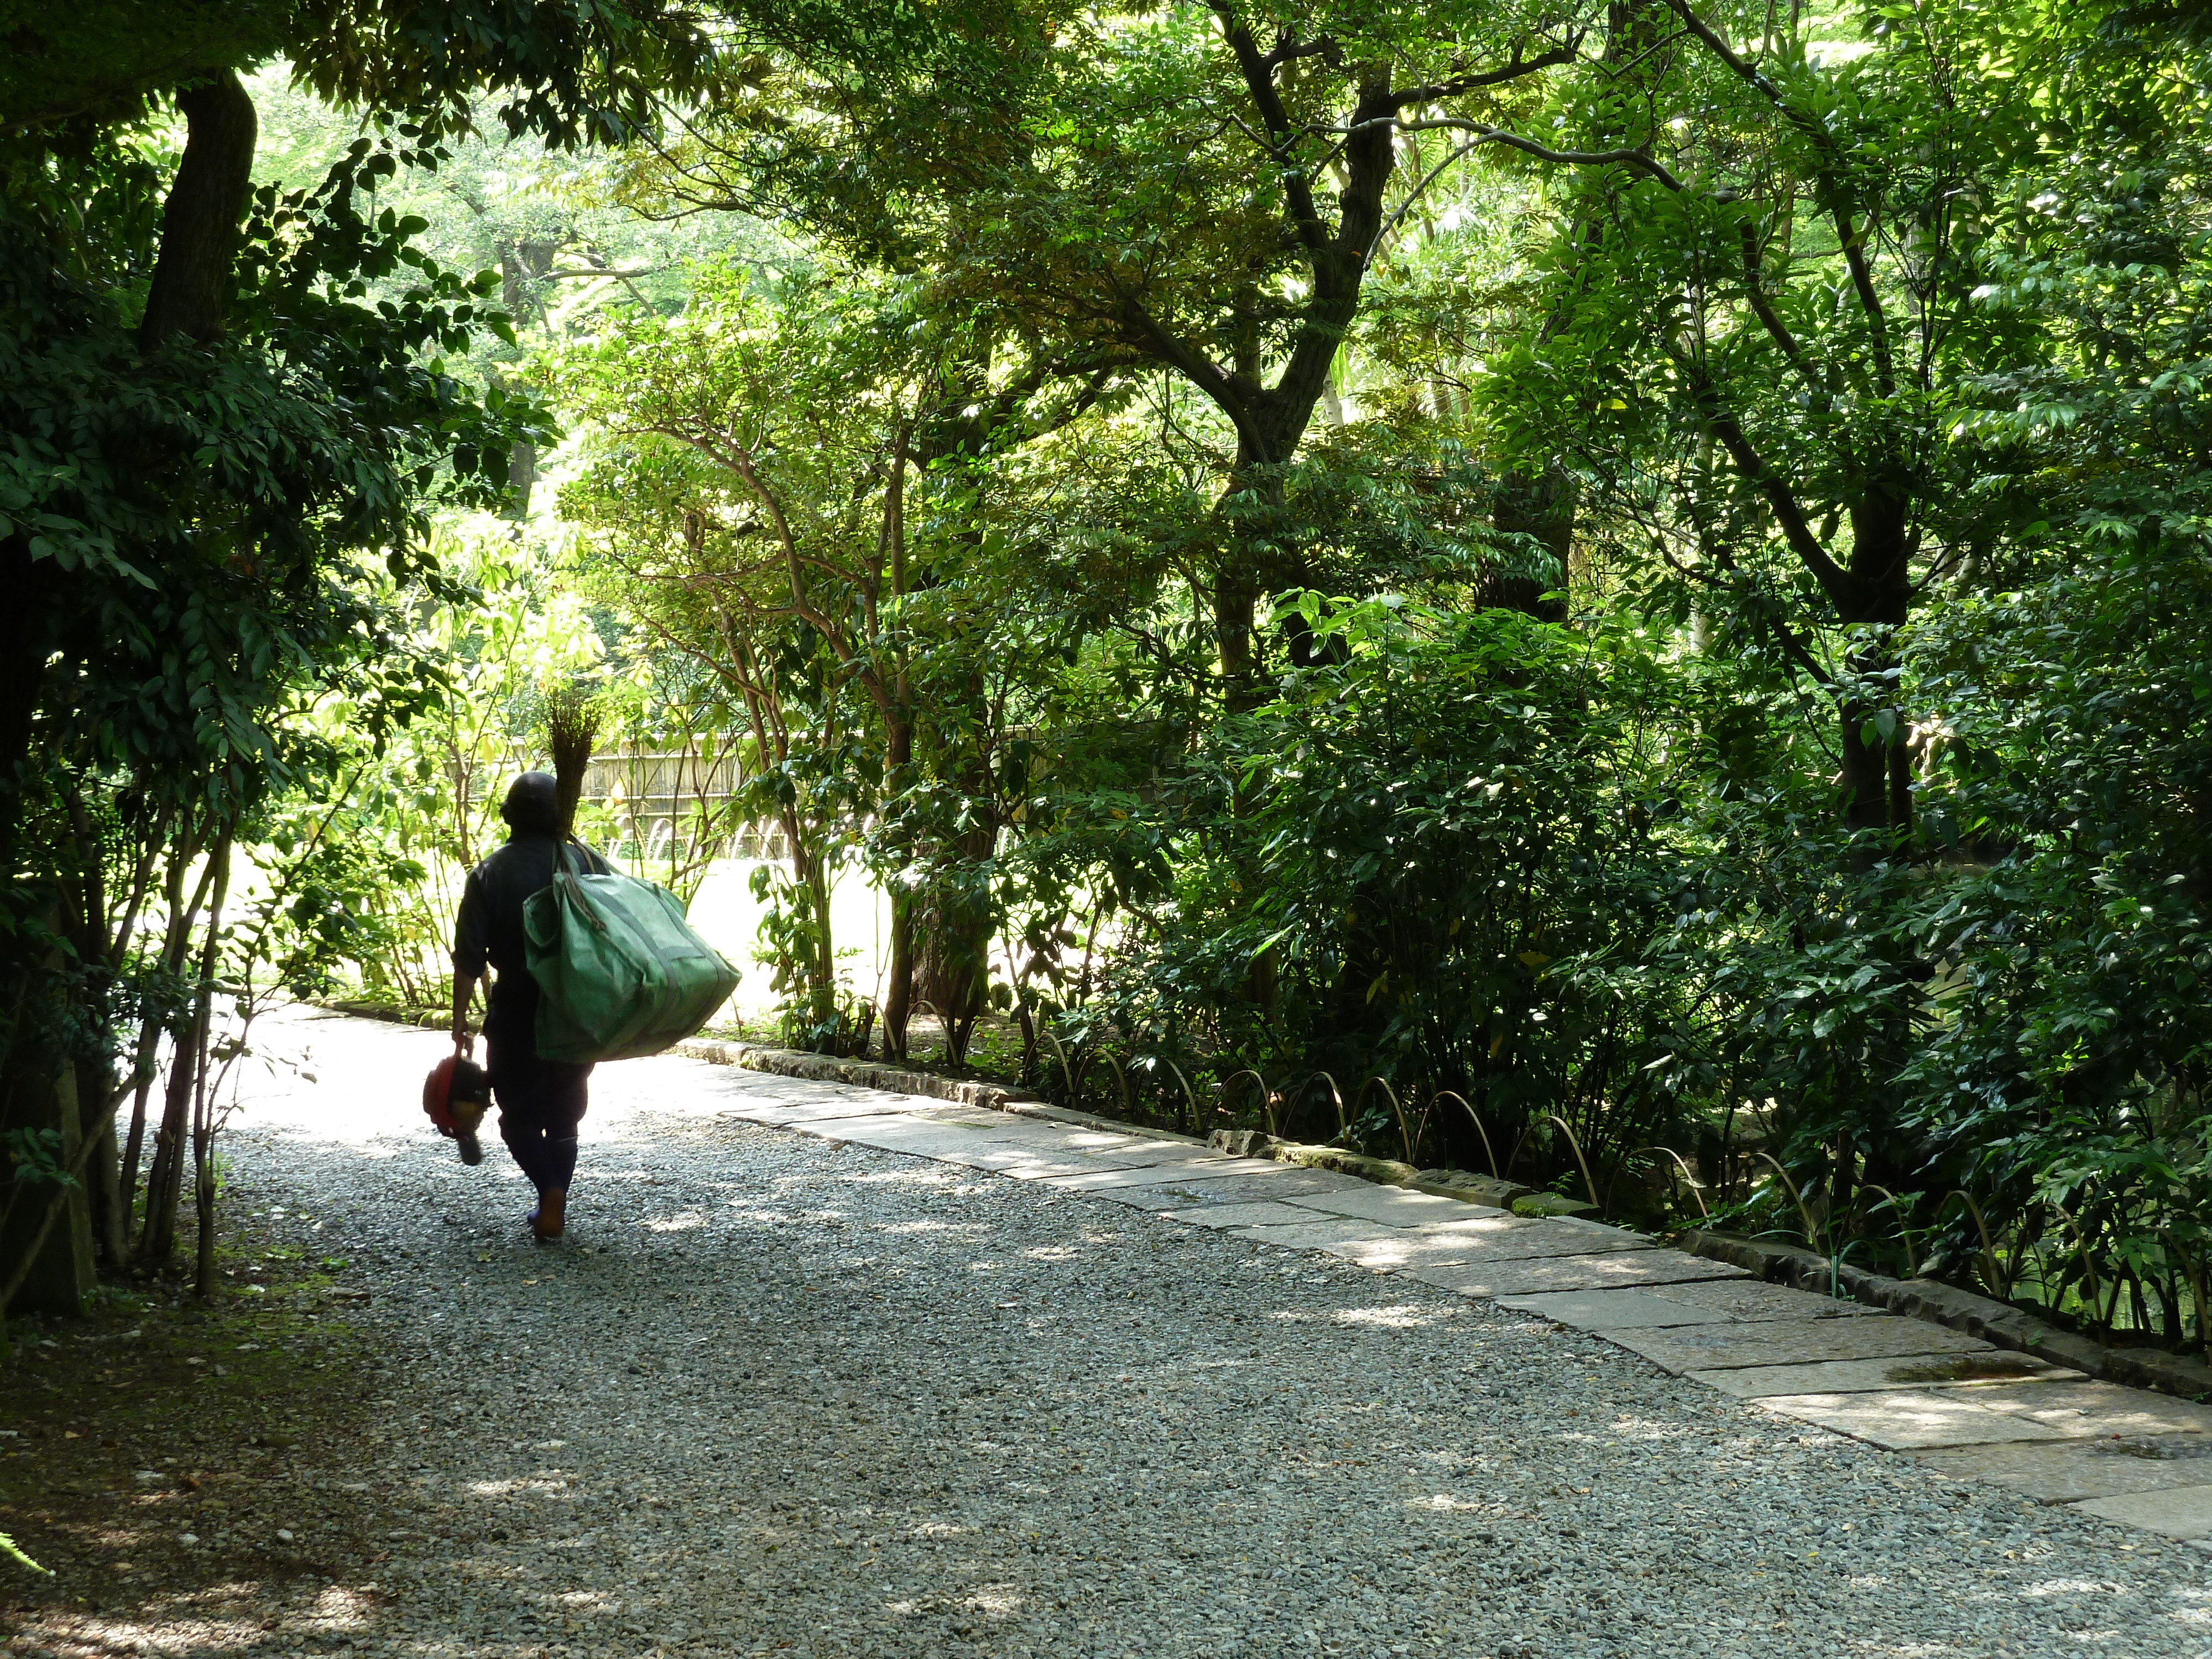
(165, 1181)
(898, 990)
(25, 639)
(111, 1217)
(1541, 510)
(204, 1105)
(200, 221)
(42, 1272)
(1876, 769)
(824, 971)
(177, 939)
(1235, 601)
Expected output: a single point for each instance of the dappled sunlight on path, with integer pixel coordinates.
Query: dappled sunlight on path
(801, 1394)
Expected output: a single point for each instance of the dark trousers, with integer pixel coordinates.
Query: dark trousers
(541, 1102)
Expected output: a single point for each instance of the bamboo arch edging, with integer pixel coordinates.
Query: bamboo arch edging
(1488, 1150)
(1267, 1095)
(1188, 1093)
(1688, 1180)
(1581, 1162)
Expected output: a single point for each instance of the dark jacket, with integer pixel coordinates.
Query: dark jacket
(490, 927)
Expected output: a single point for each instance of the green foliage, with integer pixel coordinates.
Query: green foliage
(1431, 861)
(8, 1548)
(1754, 734)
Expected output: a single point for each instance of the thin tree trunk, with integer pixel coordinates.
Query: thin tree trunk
(176, 939)
(1877, 774)
(203, 1097)
(165, 1182)
(898, 994)
(96, 1123)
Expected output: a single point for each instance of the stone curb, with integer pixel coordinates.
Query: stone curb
(1996, 1322)
(892, 1079)
(1462, 1184)
(855, 1073)
(429, 1019)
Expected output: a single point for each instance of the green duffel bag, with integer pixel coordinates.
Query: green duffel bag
(619, 971)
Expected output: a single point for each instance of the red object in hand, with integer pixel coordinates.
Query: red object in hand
(452, 1082)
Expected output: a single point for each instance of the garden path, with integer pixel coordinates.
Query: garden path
(824, 1371)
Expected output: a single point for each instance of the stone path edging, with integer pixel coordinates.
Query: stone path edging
(1996, 1322)
(857, 1073)
(1931, 1391)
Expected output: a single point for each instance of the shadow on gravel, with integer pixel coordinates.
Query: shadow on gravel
(776, 1397)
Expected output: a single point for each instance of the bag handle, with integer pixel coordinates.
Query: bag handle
(563, 873)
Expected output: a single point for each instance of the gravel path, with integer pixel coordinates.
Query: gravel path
(776, 1394)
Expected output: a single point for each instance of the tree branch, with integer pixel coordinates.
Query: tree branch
(1485, 134)
(1834, 189)
(1755, 289)
(1196, 366)
(1516, 69)
(1259, 71)
(1781, 499)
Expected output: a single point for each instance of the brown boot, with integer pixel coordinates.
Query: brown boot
(551, 1215)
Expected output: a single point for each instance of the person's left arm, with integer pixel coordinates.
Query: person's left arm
(472, 948)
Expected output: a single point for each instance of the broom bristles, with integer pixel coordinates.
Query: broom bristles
(572, 723)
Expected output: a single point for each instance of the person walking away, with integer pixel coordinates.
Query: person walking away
(541, 1102)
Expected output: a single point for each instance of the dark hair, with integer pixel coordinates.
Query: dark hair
(533, 803)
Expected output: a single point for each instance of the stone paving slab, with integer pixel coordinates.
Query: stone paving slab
(2098, 1408)
(892, 1133)
(920, 1125)
(2184, 1512)
(793, 1115)
(1138, 1155)
(1785, 1341)
(1903, 1420)
(2072, 1470)
(1754, 1298)
(998, 1159)
(1318, 1233)
(1156, 1200)
(1010, 1153)
(1873, 1376)
(1244, 1188)
(1479, 1245)
(1392, 1206)
(1527, 1275)
(1614, 1310)
(1260, 1213)
(1025, 1164)
(1197, 1165)
(1402, 1249)
(923, 1140)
